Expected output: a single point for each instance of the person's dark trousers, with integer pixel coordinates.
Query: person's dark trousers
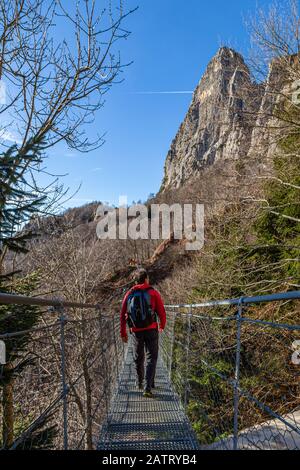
(146, 341)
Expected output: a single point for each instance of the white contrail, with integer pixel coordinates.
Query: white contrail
(180, 92)
(96, 169)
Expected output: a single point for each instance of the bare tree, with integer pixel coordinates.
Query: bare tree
(72, 268)
(275, 60)
(54, 85)
(275, 35)
(51, 86)
(50, 89)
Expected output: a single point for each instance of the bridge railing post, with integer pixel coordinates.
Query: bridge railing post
(103, 360)
(236, 393)
(172, 344)
(63, 320)
(115, 343)
(187, 366)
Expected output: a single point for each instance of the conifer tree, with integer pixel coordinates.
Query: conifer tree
(20, 200)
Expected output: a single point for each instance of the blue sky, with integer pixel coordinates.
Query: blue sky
(171, 44)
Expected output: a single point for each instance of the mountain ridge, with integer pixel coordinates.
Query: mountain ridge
(220, 121)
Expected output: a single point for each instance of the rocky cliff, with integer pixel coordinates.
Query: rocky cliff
(220, 123)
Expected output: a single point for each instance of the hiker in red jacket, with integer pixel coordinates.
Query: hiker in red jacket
(143, 310)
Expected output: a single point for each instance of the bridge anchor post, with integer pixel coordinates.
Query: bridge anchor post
(65, 390)
(237, 375)
(187, 368)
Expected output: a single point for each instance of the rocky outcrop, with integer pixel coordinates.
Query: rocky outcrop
(220, 121)
(275, 434)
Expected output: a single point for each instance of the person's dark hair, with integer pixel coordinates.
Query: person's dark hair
(140, 275)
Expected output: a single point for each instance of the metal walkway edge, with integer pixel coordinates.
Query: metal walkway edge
(138, 423)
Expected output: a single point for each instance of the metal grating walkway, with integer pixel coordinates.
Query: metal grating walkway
(138, 423)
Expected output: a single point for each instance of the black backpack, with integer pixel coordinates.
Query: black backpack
(139, 311)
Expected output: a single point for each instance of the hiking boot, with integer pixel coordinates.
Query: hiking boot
(148, 394)
(139, 385)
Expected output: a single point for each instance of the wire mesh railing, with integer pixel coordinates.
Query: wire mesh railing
(59, 376)
(235, 368)
(236, 372)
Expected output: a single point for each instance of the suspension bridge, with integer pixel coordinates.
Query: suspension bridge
(226, 378)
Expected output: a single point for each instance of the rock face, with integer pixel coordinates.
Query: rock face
(271, 435)
(220, 121)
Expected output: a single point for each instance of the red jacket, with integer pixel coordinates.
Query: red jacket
(156, 304)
